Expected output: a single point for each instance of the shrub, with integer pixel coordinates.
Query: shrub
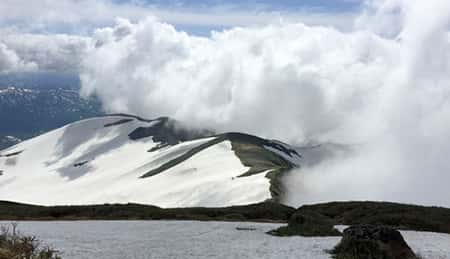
(15, 245)
(307, 224)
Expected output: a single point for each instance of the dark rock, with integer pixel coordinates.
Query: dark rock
(372, 242)
(158, 147)
(307, 224)
(12, 154)
(80, 163)
(122, 121)
(168, 131)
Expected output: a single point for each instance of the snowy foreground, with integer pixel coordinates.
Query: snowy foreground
(190, 239)
(94, 161)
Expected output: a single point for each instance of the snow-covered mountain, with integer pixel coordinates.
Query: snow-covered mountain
(123, 158)
(27, 112)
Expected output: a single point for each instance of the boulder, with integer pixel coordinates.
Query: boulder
(372, 242)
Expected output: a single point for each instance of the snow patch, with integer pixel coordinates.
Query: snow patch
(112, 163)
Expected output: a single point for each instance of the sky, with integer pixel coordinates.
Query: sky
(195, 17)
(63, 28)
(373, 75)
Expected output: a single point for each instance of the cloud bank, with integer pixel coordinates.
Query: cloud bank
(10, 61)
(44, 52)
(280, 81)
(385, 88)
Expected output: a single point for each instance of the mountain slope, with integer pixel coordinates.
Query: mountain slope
(122, 158)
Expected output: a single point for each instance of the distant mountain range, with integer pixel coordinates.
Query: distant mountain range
(27, 112)
(40, 80)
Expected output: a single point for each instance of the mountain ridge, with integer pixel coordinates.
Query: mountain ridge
(183, 166)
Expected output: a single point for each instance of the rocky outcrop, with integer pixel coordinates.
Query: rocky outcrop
(168, 131)
(372, 242)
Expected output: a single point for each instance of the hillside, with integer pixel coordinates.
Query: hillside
(263, 212)
(122, 158)
(319, 219)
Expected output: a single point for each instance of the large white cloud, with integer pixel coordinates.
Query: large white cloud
(288, 80)
(44, 52)
(384, 88)
(28, 27)
(407, 159)
(10, 61)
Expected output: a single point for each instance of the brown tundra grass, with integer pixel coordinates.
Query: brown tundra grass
(14, 245)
